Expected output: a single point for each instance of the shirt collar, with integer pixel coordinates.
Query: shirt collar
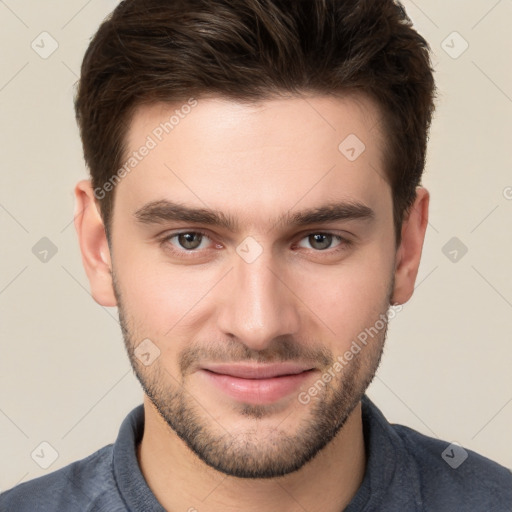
(131, 483)
(391, 479)
(388, 470)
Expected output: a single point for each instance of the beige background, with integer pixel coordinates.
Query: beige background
(65, 378)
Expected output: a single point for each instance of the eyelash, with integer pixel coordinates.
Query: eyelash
(344, 243)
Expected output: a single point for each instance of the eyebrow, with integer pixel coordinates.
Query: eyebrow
(157, 212)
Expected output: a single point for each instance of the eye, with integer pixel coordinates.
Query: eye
(187, 240)
(194, 243)
(323, 241)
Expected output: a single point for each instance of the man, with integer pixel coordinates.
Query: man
(255, 213)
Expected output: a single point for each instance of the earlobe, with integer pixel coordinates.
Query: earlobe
(409, 252)
(92, 238)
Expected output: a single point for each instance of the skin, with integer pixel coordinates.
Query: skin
(297, 301)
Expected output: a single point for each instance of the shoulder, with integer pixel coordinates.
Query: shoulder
(455, 478)
(85, 485)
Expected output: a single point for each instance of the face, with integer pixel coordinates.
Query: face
(249, 251)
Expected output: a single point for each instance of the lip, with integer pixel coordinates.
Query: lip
(257, 383)
(257, 371)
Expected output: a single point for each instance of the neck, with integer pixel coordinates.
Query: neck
(181, 481)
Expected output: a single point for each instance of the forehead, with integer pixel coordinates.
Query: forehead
(259, 159)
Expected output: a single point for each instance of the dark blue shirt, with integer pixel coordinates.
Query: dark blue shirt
(405, 471)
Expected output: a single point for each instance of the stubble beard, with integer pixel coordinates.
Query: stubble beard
(255, 452)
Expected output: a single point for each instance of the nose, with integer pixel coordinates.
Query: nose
(258, 305)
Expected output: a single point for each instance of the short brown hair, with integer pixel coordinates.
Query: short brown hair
(149, 51)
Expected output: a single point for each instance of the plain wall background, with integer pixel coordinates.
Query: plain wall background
(64, 376)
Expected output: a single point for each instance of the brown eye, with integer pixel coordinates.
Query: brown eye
(322, 241)
(186, 241)
(190, 240)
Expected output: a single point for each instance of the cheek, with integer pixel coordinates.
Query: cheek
(159, 299)
(350, 296)
(170, 303)
(152, 292)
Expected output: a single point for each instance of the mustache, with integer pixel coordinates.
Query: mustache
(232, 351)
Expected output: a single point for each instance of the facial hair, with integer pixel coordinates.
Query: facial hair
(253, 453)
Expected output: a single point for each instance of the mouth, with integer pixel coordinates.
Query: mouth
(257, 383)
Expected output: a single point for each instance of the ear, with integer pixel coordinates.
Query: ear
(408, 256)
(93, 242)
